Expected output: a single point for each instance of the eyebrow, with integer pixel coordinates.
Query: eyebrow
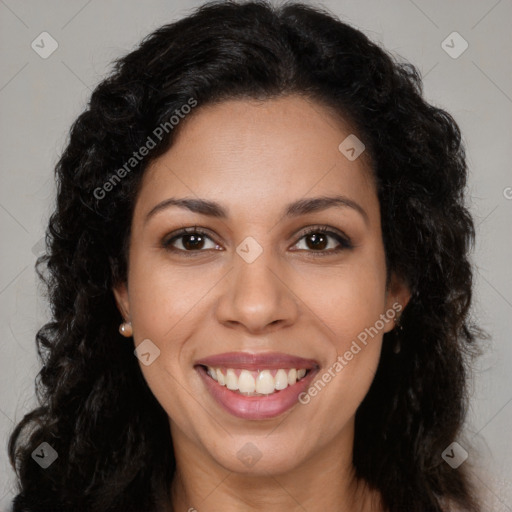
(295, 209)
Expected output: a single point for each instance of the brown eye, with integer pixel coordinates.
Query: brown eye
(323, 241)
(189, 240)
(317, 241)
(192, 242)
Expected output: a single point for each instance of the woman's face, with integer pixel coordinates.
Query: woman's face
(253, 295)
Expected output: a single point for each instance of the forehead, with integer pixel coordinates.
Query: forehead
(251, 154)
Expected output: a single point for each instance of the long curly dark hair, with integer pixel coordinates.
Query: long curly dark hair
(95, 409)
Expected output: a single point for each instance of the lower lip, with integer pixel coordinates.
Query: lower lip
(255, 407)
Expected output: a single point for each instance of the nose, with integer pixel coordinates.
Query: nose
(258, 297)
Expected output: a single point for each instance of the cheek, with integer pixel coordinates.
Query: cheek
(351, 304)
(348, 298)
(164, 306)
(161, 316)
(351, 307)
(164, 300)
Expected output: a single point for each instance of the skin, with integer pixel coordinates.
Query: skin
(254, 158)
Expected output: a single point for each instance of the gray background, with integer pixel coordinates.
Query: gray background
(40, 98)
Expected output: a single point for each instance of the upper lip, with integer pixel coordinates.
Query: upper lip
(251, 361)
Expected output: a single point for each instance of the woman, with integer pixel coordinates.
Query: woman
(258, 269)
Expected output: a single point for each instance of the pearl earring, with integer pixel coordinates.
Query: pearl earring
(126, 329)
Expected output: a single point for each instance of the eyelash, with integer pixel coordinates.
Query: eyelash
(343, 240)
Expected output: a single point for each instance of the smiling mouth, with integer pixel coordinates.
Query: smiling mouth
(256, 386)
(262, 382)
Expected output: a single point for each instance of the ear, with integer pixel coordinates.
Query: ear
(398, 295)
(122, 301)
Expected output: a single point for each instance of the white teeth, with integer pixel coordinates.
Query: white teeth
(264, 382)
(292, 376)
(281, 379)
(246, 382)
(231, 380)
